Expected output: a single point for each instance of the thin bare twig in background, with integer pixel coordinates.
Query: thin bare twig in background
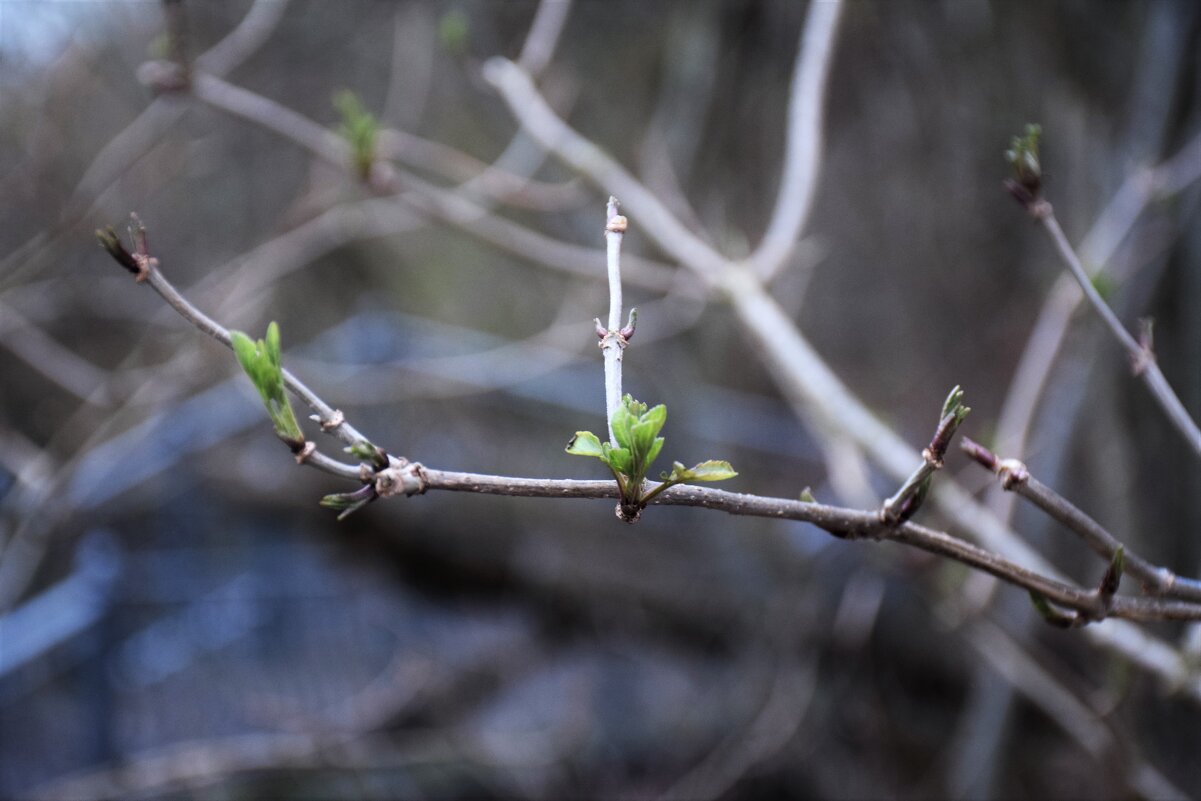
(543, 36)
(1022, 671)
(121, 151)
(1141, 355)
(803, 140)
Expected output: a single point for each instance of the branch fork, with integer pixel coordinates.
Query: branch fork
(401, 477)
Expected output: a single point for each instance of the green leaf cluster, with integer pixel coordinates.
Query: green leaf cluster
(359, 128)
(1022, 155)
(261, 361)
(636, 429)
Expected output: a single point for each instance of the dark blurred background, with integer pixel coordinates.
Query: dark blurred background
(181, 620)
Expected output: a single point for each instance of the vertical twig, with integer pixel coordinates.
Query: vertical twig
(613, 338)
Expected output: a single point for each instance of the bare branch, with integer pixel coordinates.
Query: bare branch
(1016, 478)
(544, 125)
(1144, 363)
(540, 42)
(402, 477)
(802, 152)
(332, 421)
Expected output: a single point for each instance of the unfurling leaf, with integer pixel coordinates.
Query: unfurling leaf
(368, 452)
(619, 459)
(263, 364)
(359, 128)
(636, 431)
(711, 470)
(347, 503)
(585, 443)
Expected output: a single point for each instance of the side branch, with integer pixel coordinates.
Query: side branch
(1141, 357)
(1016, 478)
(145, 269)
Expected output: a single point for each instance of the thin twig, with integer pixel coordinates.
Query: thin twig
(121, 151)
(613, 340)
(1015, 477)
(1143, 361)
(540, 42)
(909, 498)
(532, 110)
(802, 150)
(332, 421)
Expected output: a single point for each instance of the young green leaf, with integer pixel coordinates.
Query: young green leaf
(585, 443)
(644, 432)
(359, 128)
(623, 421)
(653, 454)
(711, 470)
(262, 363)
(368, 452)
(619, 459)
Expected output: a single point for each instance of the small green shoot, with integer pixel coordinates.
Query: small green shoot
(347, 503)
(1023, 157)
(261, 361)
(359, 128)
(368, 452)
(636, 429)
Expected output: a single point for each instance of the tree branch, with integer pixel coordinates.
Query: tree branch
(1016, 478)
(402, 477)
(1141, 356)
(802, 151)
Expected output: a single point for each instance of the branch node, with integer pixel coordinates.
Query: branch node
(1012, 472)
(980, 454)
(628, 514)
(1144, 357)
(402, 478)
(333, 421)
(306, 450)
